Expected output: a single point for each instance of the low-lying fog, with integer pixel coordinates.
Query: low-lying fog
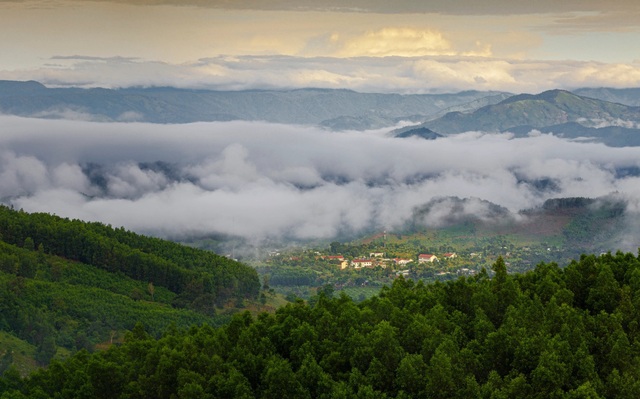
(267, 181)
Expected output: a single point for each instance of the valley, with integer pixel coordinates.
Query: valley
(558, 232)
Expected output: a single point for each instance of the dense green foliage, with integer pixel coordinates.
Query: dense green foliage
(291, 276)
(189, 272)
(51, 300)
(548, 333)
(55, 304)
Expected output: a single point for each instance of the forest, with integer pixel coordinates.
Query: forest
(552, 332)
(186, 271)
(67, 285)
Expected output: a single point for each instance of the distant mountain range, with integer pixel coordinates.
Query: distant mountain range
(333, 109)
(611, 116)
(630, 96)
(555, 111)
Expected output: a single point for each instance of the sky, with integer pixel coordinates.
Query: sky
(406, 46)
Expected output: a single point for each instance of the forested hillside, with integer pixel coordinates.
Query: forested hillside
(553, 332)
(185, 271)
(68, 285)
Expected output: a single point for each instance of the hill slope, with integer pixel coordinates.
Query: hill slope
(629, 96)
(67, 285)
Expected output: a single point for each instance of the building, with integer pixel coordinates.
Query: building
(450, 255)
(360, 263)
(376, 254)
(423, 258)
(402, 262)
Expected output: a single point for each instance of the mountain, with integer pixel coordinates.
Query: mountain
(630, 96)
(365, 122)
(549, 108)
(335, 109)
(421, 132)
(555, 111)
(613, 136)
(473, 105)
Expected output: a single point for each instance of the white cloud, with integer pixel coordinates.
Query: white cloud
(268, 181)
(403, 42)
(424, 74)
(21, 175)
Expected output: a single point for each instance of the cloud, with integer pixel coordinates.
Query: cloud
(571, 16)
(266, 181)
(404, 42)
(487, 7)
(616, 19)
(367, 74)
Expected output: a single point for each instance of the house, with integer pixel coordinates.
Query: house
(344, 264)
(376, 254)
(403, 273)
(360, 263)
(402, 262)
(450, 255)
(422, 258)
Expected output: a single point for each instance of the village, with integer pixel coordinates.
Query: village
(401, 266)
(360, 268)
(429, 256)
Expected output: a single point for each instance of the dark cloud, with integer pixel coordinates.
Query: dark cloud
(265, 181)
(93, 58)
(486, 7)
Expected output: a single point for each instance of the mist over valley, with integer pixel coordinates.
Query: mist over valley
(266, 182)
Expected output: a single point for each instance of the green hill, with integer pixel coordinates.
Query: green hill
(66, 285)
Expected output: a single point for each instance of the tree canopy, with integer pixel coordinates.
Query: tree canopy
(556, 332)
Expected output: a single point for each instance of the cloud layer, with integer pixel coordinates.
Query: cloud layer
(373, 46)
(266, 181)
(366, 74)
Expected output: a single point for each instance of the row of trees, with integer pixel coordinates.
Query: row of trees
(549, 333)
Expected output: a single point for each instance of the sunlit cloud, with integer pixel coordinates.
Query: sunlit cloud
(366, 74)
(404, 42)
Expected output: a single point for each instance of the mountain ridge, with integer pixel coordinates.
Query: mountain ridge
(174, 105)
(576, 116)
